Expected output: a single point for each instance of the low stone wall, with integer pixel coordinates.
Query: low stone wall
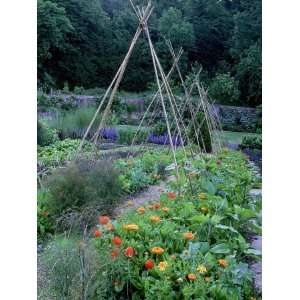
(236, 117)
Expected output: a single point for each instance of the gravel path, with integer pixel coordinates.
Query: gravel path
(152, 193)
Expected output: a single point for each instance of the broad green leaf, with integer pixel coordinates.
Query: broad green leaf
(224, 227)
(253, 252)
(215, 219)
(199, 219)
(220, 249)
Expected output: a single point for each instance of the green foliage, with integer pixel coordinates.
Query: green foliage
(160, 128)
(72, 124)
(126, 134)
(83, 42)
(53, 27)
(175, 28)
(71, 266)
(223, 89)
(45, 135)
(249, 75)
(60, 152)
(83, 183)
(200, 128)
(251, 142)
(218, 234)
(142, 171)
(45, 221)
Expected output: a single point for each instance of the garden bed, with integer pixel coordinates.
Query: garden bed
(199, 233)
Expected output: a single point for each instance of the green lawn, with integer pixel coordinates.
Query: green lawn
(234, 137)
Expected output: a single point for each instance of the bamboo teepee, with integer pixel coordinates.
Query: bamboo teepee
(163, 98)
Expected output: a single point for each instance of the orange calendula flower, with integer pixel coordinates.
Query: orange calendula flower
(201, 269)
(154, 219)
(162, 265)
(191, 276)
(188, 236)
(131, 227)
(157, 250)
(206, 278)
(223, 262)
(202, 196)
(141, 210)
(171, 195)
(109, 227)
(103, 220)
(165, 209)
(114, 253)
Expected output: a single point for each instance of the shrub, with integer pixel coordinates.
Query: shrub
(224, 89)
(45, 135)
(160, 128)
(202, 131)
(43, 101)
(83, 183)
(251, 142)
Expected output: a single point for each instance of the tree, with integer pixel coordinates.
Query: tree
(53, 27)
(224, 89)
(248, 73)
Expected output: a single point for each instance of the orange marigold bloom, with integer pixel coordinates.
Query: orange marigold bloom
(97, 233)
(171, 195)
(114, 253)
(188, 236)
(129, 252)
(103, 220)
(141, 210)
(117, 241)
(223, 263)
(165, 209)
(192, 276)
(206, 278)
(157, 250)
(156, 205)
(110, 227)
(131, 227)
(154, 219)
